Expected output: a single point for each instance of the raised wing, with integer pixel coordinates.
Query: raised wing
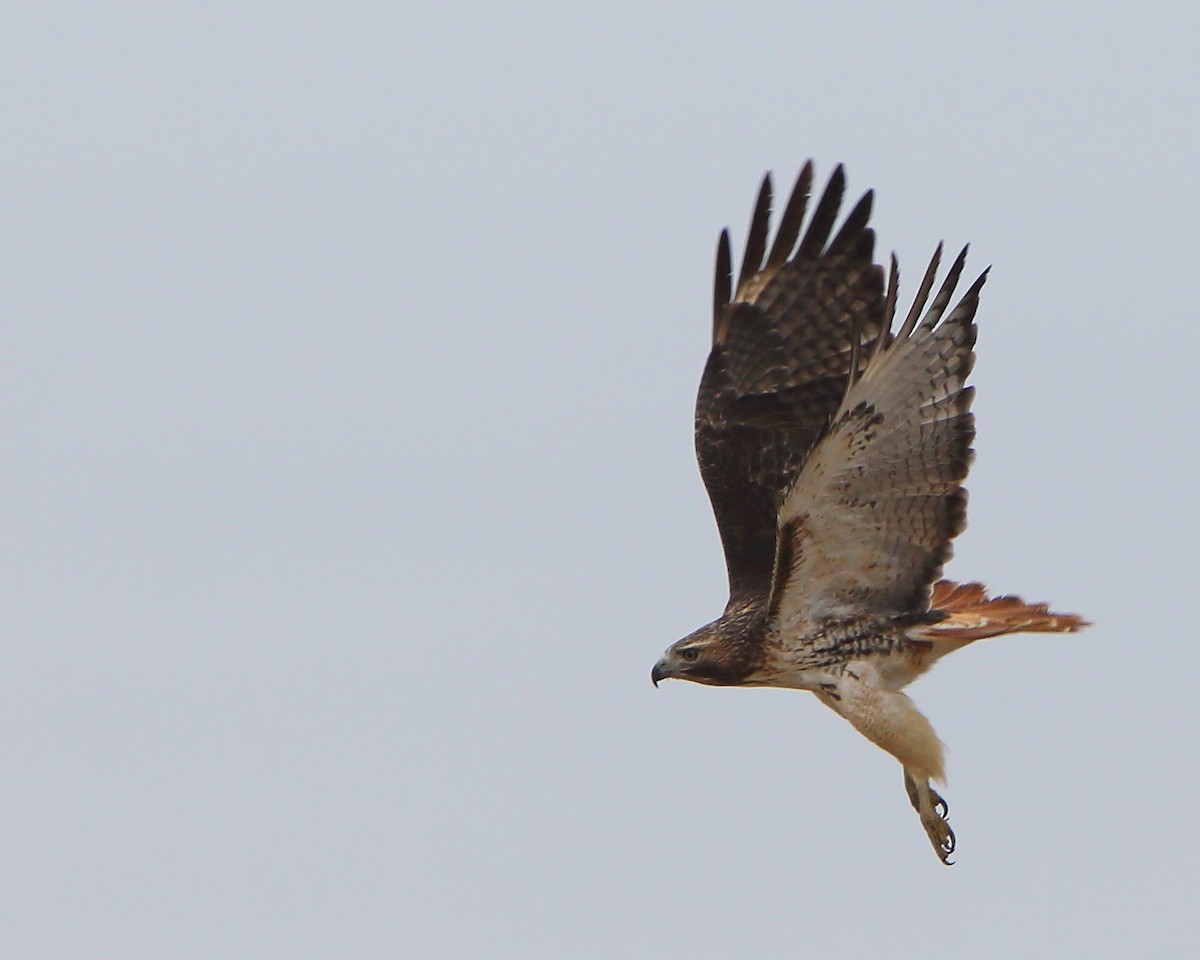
(783, 343)
(867, 527)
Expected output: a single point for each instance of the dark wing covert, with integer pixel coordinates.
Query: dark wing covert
(783, 345)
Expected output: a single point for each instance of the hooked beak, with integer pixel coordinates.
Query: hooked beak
(660, 672)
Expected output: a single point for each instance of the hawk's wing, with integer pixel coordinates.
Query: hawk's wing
(782, 348)
(867, 527)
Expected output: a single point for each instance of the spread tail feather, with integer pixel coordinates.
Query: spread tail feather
(971, 615)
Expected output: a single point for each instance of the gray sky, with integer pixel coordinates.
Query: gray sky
(348, 362)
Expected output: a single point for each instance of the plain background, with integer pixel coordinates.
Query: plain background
(348, 358)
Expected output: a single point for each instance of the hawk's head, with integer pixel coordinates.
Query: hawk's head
(722, 653)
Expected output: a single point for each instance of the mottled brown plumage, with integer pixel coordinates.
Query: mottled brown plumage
(834, 452)
(778, 366)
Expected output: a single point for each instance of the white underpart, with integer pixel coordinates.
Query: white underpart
(887, 718)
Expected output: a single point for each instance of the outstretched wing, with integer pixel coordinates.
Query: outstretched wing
(782, 349)
(867, 527)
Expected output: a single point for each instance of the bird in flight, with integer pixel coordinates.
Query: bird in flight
(834, 446)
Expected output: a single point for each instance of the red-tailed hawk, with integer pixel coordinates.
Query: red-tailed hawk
(834, 450)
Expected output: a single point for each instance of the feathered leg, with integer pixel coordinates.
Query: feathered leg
(890, 720)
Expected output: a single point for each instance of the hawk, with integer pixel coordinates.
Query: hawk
(834, 446)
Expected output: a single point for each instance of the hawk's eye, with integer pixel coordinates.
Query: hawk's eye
(691, 654)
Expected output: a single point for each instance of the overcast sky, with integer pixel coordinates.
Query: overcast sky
(349, 352)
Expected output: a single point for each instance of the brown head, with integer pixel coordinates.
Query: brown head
(722, 653)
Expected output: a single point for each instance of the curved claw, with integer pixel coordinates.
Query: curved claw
(933, 809)
(941, 836)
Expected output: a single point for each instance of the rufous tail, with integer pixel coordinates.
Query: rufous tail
(970, 614)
